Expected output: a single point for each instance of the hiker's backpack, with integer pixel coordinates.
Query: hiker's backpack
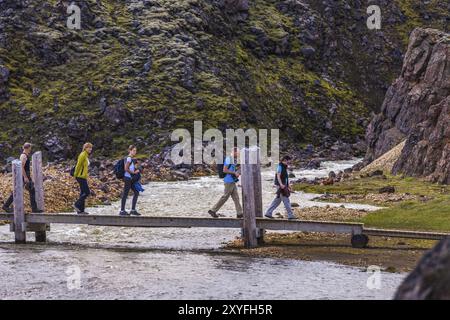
(119, 169)
(72, 171)
(220, 171)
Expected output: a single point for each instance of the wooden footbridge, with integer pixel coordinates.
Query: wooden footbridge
(253, 226)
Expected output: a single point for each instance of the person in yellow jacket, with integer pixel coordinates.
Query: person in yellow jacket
(81, 174)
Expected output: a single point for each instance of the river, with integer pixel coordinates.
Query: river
(163, 263)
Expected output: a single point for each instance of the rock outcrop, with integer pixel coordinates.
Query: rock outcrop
(430, 280)
(417, 109)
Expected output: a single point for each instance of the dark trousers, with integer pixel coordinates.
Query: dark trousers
(129, 185)
(30, 187)
(84, 193)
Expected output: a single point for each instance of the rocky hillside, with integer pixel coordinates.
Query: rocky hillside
(417, 108)
(138, 69)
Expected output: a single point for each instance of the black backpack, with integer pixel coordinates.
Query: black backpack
(72, 171)
(220, 171)
(119, 169)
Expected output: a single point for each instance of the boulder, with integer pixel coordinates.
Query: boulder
(56, 148)
(327, 182)
(117, 115)
(430, 280)
(387, 189)
(376, 173)
(4, 77)
(4, 74)
(235, 6)
(348, 170)
(308, 52)
(8, 167)
(313, 164)
(181, 174)
(148, 65)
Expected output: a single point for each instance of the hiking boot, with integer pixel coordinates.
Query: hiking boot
(7, 209)
(124, 213)
(268, 217)
(213, 214)
(37, 211)
(292, 218)
(78, 210)
(135, 213)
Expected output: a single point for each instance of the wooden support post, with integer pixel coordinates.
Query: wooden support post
(19, 212)
(248, 196)
(257, 183)
(38, 180)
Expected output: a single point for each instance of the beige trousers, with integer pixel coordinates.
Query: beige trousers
(230, 190)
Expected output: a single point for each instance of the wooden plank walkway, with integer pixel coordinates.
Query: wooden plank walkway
(186, 222)
(34, 219)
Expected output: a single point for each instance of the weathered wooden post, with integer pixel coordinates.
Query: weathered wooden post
(249, 158)
(38, 180)
(257, 185)
(19, 212)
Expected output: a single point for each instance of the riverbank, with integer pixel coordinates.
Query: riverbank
(407, 203)
(390, 254)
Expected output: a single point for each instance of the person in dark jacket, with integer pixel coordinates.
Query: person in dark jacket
(28, 182)
(283, 190)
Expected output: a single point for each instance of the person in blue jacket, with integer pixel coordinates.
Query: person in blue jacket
(232, 175)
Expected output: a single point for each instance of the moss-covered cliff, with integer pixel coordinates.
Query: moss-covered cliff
(138, 69)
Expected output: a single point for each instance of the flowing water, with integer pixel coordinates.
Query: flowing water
(164, 263)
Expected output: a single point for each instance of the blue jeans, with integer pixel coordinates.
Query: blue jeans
(84, 193)
(276, 202)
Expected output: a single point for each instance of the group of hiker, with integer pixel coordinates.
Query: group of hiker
(231, 174)
(129, 171)
(125, 169)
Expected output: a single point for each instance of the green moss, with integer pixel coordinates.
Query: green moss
(433, 214)
(372, 185)
(413, 20)
(412, 11)
(230, 68)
